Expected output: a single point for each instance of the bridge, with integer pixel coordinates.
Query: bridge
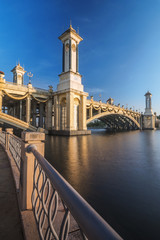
(115, 117)
(67, 110)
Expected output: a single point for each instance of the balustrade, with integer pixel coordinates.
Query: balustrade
(60, 212)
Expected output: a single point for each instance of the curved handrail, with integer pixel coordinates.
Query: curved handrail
(15, 121)
(90, 222)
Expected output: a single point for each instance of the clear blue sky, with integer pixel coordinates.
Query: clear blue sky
(119, 56)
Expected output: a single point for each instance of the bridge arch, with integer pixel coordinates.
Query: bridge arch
(120, 120)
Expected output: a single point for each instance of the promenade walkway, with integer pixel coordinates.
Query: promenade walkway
(10, 222)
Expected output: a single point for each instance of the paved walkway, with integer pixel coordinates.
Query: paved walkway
(10, 223)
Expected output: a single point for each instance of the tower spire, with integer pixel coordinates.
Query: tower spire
(70, 23)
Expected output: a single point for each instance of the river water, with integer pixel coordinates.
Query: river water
(117, 173)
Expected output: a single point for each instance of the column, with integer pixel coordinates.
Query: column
(28, 109)
(49, 114)
(63, 58)
(70, 55)
(1, 100)
(91, 112)
(41, 115)
(56, 113)
(70, 110)
(82, 113)
(20, 110)
(77, 58)
(34, 113)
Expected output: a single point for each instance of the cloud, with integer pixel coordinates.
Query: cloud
(86, 20)
(95, 90)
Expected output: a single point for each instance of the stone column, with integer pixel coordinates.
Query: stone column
(56, 113)
(99, 111)
(27, 166)
(82, 114)
(49, 114)
(20, 109)
(1, 100)
(70, 111)
(28, 109)
(91, 112)
(41, 115)
(34, 113)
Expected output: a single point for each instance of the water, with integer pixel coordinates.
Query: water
(118, 174)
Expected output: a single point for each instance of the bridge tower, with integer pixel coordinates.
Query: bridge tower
(148, 117)
(18, 73)
(70, 98)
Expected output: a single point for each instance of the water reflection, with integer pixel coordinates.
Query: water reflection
(119, 174)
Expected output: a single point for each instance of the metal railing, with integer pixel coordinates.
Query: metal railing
(13, 144)
(15, 149)
(60, 212)
(2, 138)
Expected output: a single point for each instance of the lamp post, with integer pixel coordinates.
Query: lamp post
(29, 74)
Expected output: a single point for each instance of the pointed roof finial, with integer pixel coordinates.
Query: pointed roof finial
(70, 24)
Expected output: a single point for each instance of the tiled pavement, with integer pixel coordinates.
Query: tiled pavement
(10, 222)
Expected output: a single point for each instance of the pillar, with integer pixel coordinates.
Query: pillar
(41, 115)
(82, 118)
(20, 110)
(27, 166)
(70, 110)
(49, 114)
(34, 113)
(1, 100)
(91, 112)
(56, 113)
(28, 109)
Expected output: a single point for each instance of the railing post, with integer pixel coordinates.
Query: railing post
(27, 166)
(8, 132)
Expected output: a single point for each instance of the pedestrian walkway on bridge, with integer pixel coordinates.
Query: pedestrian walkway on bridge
(10, 221)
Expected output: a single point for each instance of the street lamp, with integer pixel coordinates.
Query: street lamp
(29, 74)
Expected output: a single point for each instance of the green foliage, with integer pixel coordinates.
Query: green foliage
(96, 124)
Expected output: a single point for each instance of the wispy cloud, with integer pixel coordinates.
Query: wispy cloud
(86, 20)
(95, 90)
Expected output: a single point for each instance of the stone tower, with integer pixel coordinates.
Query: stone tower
(70, 77)
(70, 98)
(18, 73)
(148, 117)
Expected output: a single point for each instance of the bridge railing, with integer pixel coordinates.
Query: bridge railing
(2, 137)
(60, 212)
(15, 149)
(12, 144)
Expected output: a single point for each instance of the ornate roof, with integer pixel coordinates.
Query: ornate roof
(148, 93)
(1, 72)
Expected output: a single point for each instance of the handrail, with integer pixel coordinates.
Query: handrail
(89, 221)
(15, 149)
(2, 137)
(15, 121)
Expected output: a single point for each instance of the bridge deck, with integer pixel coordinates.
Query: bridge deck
(10, 222)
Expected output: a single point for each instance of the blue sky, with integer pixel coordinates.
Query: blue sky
(119, 56)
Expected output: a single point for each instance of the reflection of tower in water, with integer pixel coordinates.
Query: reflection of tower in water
(77, 156)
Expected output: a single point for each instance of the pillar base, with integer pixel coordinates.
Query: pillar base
(69, 133)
